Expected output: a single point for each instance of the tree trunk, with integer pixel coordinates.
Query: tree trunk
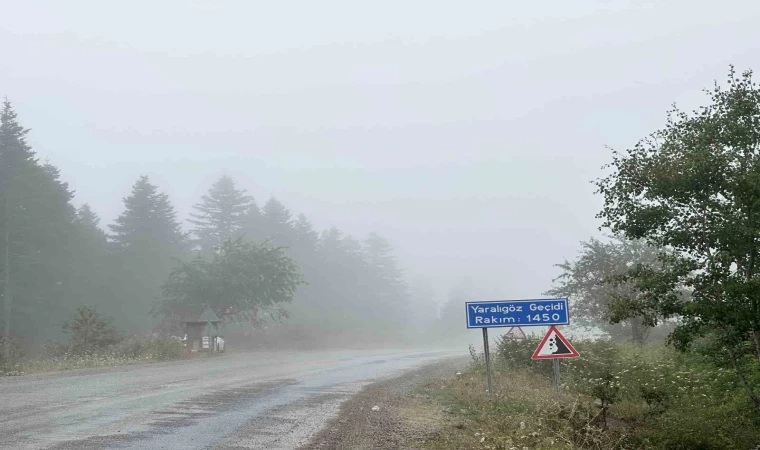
(6, 297)
(750, 392)
(756, 338)
(637, 330)
(753, 301)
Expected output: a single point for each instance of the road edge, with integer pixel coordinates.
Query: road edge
(388, 414)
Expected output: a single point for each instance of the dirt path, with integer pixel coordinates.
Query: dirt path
(401, 418)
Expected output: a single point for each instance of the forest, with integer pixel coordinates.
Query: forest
(266, 271)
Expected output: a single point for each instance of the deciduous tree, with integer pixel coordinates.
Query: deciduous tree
(242, 281)
(694, 187)
(600, 294)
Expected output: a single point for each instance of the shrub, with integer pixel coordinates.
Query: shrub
(516, 353)
(16, 351)
(654, 396)
(574, 422)
(476, 359)
(57, 356)
(150, 348)
(656, 400)
(90, 331)
(703, 427)
(55, 349)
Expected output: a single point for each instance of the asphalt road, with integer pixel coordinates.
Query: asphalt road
(244, 401)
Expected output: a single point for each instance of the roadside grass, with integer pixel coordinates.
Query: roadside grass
(133, 350)
(524, 412)
(613, 397)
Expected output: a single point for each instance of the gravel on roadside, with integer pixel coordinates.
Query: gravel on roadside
(387, 414)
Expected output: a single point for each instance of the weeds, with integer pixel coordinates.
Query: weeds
(58, 356)
(615, 396)
(476, 359)
(524, 412)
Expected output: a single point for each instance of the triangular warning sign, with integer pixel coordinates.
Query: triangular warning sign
(515, 334)
(554, 345)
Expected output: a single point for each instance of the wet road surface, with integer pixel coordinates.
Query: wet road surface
(244, 401)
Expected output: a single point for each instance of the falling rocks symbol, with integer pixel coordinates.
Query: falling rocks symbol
(555, 345)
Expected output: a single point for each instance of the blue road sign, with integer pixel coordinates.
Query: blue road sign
(511, 313)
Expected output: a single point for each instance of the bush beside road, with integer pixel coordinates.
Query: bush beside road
(614, 397)
(64, 356)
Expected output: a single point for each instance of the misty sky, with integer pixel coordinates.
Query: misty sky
(465, 132)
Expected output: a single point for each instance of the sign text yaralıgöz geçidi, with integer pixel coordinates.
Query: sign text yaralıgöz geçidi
(509, 313)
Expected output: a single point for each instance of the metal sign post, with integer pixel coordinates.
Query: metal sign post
(555, 346)
(488, 359)
(523, 313)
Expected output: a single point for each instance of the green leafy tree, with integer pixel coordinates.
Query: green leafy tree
(242, 281)
(600, 294)
(694, 187)
(90, 331)
(221, 214)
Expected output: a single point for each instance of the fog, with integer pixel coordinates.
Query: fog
(467, 134)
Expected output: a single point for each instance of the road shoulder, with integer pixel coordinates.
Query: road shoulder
(389, 414)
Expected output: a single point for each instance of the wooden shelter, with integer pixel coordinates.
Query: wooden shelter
(201, 329)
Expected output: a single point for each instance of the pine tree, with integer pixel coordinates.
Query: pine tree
(306, 238)
(88, 222)
(385, 282)
(16, 159)
(148, 221)
(423, 308)
(53, 236)
(331, 245)
(308, 303)
(381, 260)
(221, 214)
(147, 240)
(90, 331)
(277, 222)
(36, 220)
(336, 285)
(253, 223)
(92, 266)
